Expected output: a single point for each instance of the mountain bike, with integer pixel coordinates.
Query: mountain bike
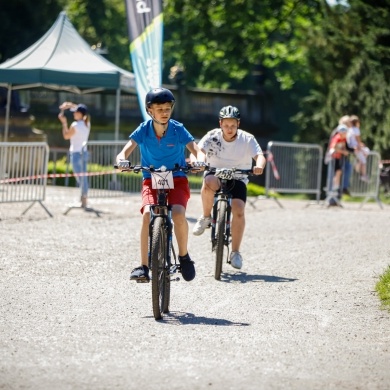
(162, 257)
(221, 214)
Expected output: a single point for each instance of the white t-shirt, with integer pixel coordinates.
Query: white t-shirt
(80, 137)
(352, 133)
(236, 154)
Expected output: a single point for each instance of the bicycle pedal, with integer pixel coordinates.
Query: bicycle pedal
(177, 279)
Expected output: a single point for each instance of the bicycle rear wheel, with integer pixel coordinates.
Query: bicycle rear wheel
(160, 271)
(220, 238)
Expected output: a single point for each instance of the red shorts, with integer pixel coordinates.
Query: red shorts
(178, 195)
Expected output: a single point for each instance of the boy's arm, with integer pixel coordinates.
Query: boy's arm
(126, 151)
(197, 154)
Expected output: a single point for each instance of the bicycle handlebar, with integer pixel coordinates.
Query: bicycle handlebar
(248, 172)
(137, 168)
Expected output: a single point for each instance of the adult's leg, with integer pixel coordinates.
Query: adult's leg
(347, 174)
(77, 166)
(84, 179)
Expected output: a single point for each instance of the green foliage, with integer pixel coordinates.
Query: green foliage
(22, 22)
(348, 57)
(255, 190)
(339, 54)
(102, 23)
(383, 288)
(220, 43)
(61, 167)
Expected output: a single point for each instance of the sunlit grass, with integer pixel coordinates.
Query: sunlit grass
(383, 288)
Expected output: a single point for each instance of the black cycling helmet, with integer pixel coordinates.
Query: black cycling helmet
(229, 112)
(159, 96)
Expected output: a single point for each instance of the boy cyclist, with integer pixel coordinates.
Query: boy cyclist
(229, 147)
(162, 141)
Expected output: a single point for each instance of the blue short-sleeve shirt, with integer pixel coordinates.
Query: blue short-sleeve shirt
(167, 150)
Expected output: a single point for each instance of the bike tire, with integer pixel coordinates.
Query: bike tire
(160, 271)
(220, 238)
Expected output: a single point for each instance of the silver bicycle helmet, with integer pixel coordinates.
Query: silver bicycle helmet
(229, 112)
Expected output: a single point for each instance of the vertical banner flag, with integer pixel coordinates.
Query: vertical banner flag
(145, 25)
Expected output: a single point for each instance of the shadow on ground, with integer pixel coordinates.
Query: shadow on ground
(243, 277)
(180, 318)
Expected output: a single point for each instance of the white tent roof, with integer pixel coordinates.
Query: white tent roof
(61, 59)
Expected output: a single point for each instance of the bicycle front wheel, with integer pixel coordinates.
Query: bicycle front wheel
(160, 269)
(220, 238)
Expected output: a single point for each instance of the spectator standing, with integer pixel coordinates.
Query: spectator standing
(77, 133)
(360, 149)
(337, 151)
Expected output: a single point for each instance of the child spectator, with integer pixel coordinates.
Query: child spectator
(337, 151)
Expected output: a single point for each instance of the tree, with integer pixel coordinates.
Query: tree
(332, 60)
(349, 59)
(23, 22)
(102, 23)
(220, 43)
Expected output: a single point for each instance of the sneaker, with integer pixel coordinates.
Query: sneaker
(364, 178)
(201, 224)
(236, 260)
(140, 274)
(187, 267)
(83, 202)
(346, 192)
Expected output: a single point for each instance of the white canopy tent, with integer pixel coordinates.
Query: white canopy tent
(63, 60)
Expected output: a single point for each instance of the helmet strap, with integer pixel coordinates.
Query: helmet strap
(155, 120)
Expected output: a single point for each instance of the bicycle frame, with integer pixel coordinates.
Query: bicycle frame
(222, 196)
(221, 216)
(160, 239)
(162, 210)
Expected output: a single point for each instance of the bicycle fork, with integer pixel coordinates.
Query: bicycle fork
(166, 213)
(227, 237)
(173, 267)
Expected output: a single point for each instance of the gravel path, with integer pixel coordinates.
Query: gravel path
(301, 314)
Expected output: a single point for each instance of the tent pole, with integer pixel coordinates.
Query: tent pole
(7, 112)
(117, 113)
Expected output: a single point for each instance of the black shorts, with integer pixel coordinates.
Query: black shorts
(236, 187)
(338, 164)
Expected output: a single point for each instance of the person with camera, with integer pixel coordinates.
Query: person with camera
(77, 133)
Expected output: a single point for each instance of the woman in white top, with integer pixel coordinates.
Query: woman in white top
(78, 134)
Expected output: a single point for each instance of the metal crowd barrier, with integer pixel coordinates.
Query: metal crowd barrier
(109, 183)
(23, 173)
(334, 193)
(293, 168)
(370, 189)
(103, 181)
(357, 187)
